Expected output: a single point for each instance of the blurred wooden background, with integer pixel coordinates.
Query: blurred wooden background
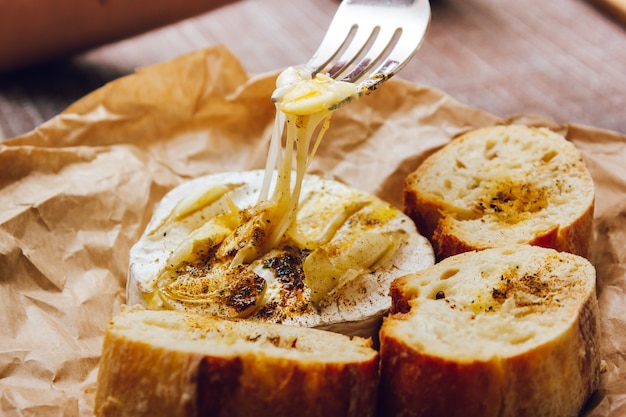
(560, 59)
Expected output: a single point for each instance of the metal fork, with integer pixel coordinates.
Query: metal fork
(368, 41)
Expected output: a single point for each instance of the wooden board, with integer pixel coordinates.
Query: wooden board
(560, 59)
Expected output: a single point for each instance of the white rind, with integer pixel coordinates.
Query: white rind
(354, 309)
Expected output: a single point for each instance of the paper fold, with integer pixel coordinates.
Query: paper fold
(78, 191)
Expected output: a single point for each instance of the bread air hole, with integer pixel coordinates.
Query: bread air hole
(526, 146)
(275, 340)
(519, 338)
(449, 273)
(491, 151)
(548, 156)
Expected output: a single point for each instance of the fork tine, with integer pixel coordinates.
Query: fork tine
(384, 40)
(368, 41)
(351, 26)
(412, 37)
(362, 36)
(397, 57)
(407, 44)
(329, 47)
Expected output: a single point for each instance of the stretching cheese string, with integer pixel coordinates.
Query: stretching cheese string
(304, 104)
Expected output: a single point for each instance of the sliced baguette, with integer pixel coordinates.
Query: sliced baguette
(169, 363)
(503, 185)
(509, 331)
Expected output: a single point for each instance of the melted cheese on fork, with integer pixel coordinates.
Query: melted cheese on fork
(304, 103)
(306, 252)
(332, 270)
(299, 92)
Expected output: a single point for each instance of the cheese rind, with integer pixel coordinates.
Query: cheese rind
(363, 298)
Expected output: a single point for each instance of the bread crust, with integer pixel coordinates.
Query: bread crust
(553, 378)
(140, 377)
(435, 384)
(444, 217)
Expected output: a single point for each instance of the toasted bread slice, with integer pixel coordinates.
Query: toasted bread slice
(503, 185)
(169, 363)
(510, 331)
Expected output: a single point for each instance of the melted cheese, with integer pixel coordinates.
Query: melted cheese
(334, 222)
(304, 104)
(298, 92)
(283, 257)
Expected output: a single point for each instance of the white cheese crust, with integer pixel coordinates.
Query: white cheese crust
(355, 307)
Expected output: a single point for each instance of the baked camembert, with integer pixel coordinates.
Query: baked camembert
(279, 245)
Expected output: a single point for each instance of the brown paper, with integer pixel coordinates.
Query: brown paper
(77, 192)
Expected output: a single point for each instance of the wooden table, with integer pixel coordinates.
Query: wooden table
(560, 59)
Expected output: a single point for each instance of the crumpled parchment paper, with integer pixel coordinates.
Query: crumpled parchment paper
(76, 193)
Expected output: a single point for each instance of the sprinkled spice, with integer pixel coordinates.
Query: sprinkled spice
(288, 267)
(245, 291)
